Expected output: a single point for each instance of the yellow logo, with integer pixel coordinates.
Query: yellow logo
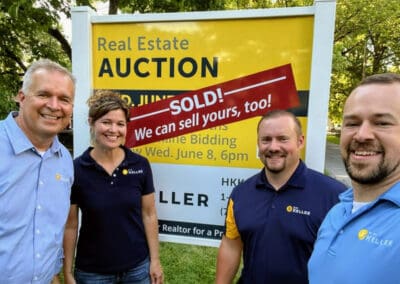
(58, 176)
(362, 234)
(124, 172)
(289, 208)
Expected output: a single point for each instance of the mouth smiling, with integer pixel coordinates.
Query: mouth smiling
(112, 137)
(275, 155)
(364, 154)
(51, 117)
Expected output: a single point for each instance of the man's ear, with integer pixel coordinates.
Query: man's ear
(301, 141)
(20, 96)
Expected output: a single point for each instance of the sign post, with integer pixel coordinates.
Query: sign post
(198, 83)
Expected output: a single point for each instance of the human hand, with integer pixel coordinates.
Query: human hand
(69, 278)
(156, 273)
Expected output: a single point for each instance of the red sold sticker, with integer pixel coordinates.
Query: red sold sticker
(224, 103)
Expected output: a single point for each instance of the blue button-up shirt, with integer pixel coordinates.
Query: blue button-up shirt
(34, 205)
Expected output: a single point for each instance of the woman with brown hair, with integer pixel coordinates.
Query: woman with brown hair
(113, 188)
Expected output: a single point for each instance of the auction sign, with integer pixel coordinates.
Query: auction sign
(197, 84)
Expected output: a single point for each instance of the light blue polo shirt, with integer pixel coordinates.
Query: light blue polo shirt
(363, 247)
(34, 205)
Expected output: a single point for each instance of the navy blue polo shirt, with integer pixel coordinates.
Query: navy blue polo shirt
(112, 237)
(279, 228)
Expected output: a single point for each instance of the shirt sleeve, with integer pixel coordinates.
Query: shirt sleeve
(149, 182)
(231, 228)
(74, 194)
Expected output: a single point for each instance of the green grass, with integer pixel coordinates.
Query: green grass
(333, 139)
(188, 263)
(184, 264)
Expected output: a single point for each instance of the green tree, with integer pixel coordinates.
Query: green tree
(163, 6)
(29, 31)
(367, 37)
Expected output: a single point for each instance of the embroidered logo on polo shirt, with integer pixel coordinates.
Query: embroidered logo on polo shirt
(60, 177)
(373, 238)
(297, 210)
(132, 172)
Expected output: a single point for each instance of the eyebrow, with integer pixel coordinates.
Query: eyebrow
(376, 115)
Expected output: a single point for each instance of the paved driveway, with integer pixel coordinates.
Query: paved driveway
(334, 164)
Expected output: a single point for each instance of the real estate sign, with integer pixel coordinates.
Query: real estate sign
(198, 83)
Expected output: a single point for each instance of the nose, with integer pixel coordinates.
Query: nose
(53, 103)
(274, 145)
(113, 127)
(364, 132)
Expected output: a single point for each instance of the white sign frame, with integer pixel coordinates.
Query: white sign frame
(321, 64)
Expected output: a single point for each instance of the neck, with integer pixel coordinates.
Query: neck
(277, 180)
(41, 143)
(370, 192)
(109, 159)
(103, 154)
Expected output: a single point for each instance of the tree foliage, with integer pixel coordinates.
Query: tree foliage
(367, 35)
(29, 30)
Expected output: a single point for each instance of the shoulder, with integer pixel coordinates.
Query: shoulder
(10, 133)
(4, 139)
(134, 158)
(335, 213)
(65, 153)
(248, 184)
(137, 164)
(66, 159)
(316, 179)
(82, 158)
(2, 126)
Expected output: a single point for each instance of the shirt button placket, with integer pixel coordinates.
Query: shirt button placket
(113, 176)
(37, 230)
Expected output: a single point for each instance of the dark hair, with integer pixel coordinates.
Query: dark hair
(279, 113)
(384, 78)
(104, 101)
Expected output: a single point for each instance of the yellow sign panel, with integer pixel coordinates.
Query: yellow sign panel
(191, 55)
(147, 62)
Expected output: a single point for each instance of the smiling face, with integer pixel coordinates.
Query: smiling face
(279, 144)
(109, 131)
(370, 137)
(46, 108)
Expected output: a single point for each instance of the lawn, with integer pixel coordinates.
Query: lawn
(188, 263)
(184, 264)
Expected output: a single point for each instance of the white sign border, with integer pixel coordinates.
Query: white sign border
(324, 24)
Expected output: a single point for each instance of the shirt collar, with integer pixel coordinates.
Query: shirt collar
(391, 195)
(296, 181)
(19, 141)
(87, 160)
